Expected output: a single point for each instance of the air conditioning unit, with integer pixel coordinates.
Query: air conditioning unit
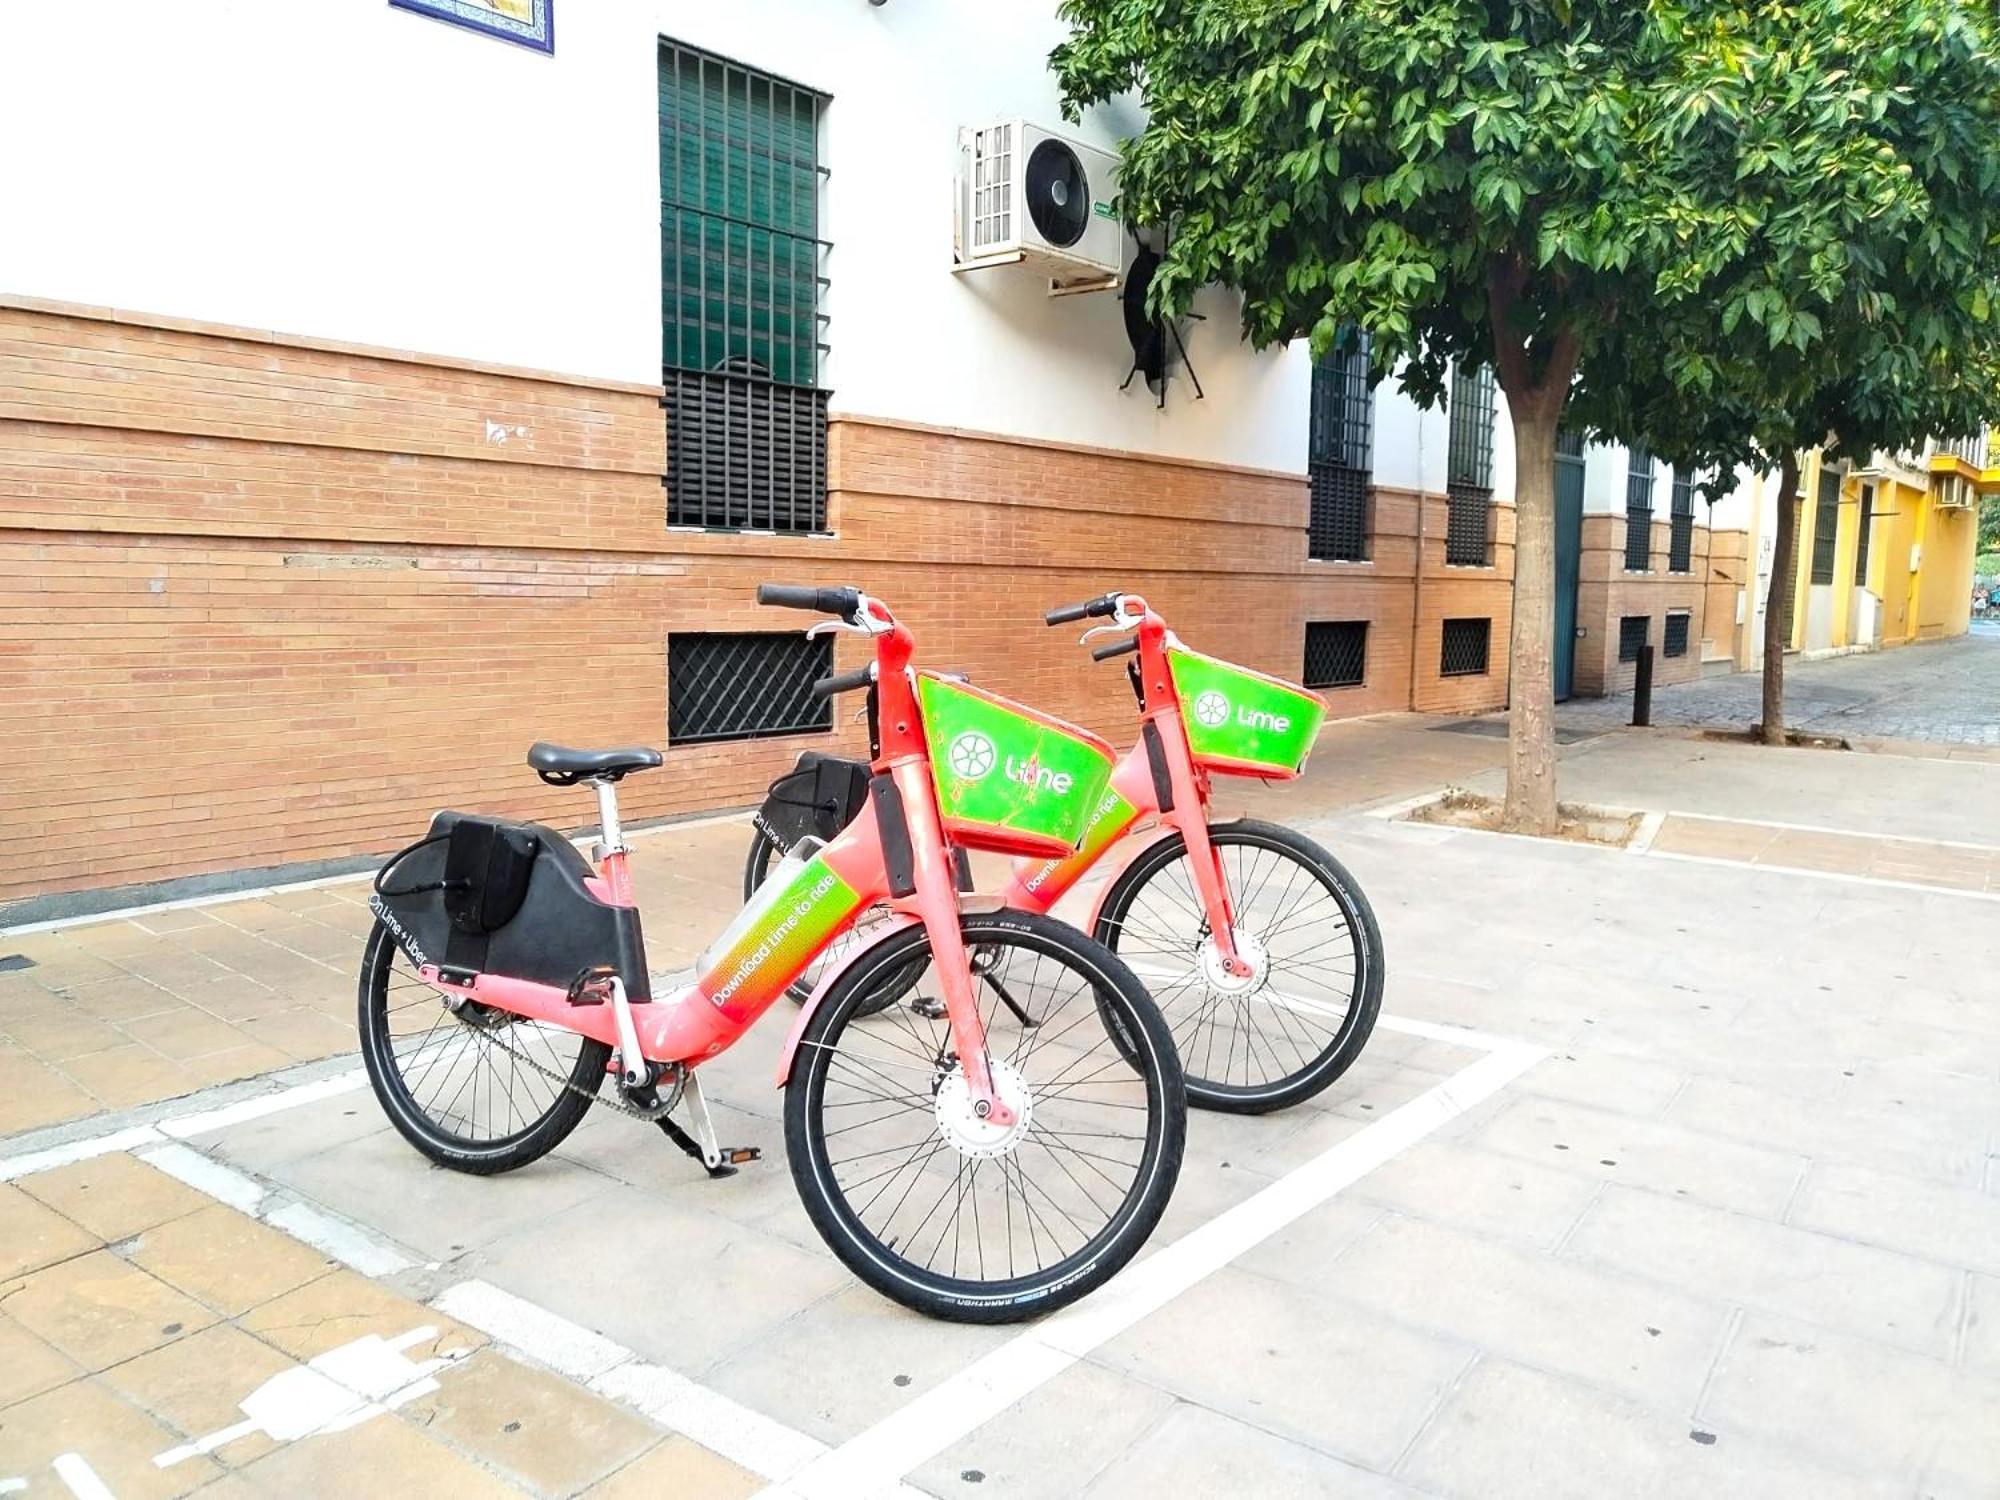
(1953, 492)
(1028, 196)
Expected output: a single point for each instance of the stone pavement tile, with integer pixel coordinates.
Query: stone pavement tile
(1870, 1409)
(28, 1366)
(174, 919)
(1479, 1191)
(1934, 1146)
(1650, 1341)
(123, 998)
(744, 1282)
(116, 1439)
(237, 998)
(382, 1456)
(1857, 1289)
(1682, 834)
(303, 1034)
(131, 1074)
(33, 1094)
(1619, 1148)
(1982, 1328)
(847, 1361)
(257, 914)
(114, 1196)
(1332, 1375)
(538, 1429)
(1959, 1225)
(1304, 1252)
(195, 1385)
(678, 1469)
(247, 1061)
(265, 1145)
(1049, 1444)
(100, 1311)
(1910, 1088)
(1197, 1452)
(61, 1033)
(176, 969)
(1606, 1081)
(330, 945)
(1512, 1433)
(380, 1180)
(184, 1034)
(341, 1307)
(115, 936)
(63, 965)
(32, 1235)
(226, 1259)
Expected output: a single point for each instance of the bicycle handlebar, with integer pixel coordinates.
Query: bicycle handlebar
(1117, 648)
(845, 682)
(1103, 604)
(844, 603)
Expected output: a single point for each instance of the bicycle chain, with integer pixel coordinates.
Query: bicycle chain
(563, 1080)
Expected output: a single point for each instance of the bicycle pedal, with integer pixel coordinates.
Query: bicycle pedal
(736, 1156)
(929, 1008)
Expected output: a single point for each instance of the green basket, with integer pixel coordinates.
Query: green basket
(1241, 722)
(1008, 778)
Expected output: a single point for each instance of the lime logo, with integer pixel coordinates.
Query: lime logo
(971, 755)
(1040, 777)
(1211, 710)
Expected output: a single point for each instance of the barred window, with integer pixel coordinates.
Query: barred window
(1826, 525)
(1336, 653)
(745, 685)
(1639, 511)
(1676, 643)
(1468, 537)
(1680, 536)
(1463, 650)
(1632, 633)
(1340, 451)
(1861, 540)
(741, 281)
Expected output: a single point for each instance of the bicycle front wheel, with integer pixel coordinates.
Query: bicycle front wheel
(1301, 1017)
(941, 1210)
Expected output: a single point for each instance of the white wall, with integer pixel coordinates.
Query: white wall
(361, 173)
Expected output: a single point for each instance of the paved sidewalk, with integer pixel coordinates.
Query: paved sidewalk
(1944, 693)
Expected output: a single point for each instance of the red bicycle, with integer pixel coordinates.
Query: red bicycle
(994, 1150)
(1257, 943)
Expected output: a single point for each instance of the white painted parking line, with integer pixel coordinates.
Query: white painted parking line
(80, 1479)
(206, 1175)
(882, 1455)
(748, 1438)
(48, 1160)
(347, 1243)
(203, 1122)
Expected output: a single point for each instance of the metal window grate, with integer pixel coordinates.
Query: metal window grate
(1680, 534)
(1340, 451)
(1569, 443)
(1639, 511)
(741, 283)
(1463, 650)
(745, 686)
(1469, 453)
(1632, 633)
(1826, 526)
(744, 453)
(1468, 533)
(1336, 653)
(1867, 519)
(1676, 635)
(1337, 527)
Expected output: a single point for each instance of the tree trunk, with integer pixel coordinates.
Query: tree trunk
(1531, 727)
(1778, 601)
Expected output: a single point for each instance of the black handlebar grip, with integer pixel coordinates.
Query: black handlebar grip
(845, 682)
(1103, 604)
(1117, 648)
(840, 602)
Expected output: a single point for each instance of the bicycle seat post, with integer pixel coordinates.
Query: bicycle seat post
(611, 836)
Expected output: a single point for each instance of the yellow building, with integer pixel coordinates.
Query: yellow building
(1885, 550)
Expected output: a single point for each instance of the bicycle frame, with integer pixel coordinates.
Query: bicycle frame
(1157, 778)
(839, 883)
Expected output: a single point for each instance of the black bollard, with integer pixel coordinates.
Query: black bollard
(1642, 690)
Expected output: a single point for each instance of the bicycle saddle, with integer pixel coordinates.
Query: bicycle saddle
(561, 765)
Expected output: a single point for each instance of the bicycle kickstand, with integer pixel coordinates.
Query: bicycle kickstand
(717, 1161)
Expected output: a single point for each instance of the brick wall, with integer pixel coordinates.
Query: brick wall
(1607, 593)
(266, 600)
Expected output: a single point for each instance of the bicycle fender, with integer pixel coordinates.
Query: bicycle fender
(897, 922)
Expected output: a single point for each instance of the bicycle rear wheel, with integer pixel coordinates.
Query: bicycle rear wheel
(950, 1215)
(1299, 1021)
(474, 1089)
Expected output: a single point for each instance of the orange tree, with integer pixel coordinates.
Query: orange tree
(1538, 185)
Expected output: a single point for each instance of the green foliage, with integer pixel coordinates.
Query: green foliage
(1691, 205)
(1989, 521)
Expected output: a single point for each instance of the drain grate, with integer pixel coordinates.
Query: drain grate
(12, 961)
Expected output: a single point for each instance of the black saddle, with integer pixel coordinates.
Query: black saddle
(560, 766)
